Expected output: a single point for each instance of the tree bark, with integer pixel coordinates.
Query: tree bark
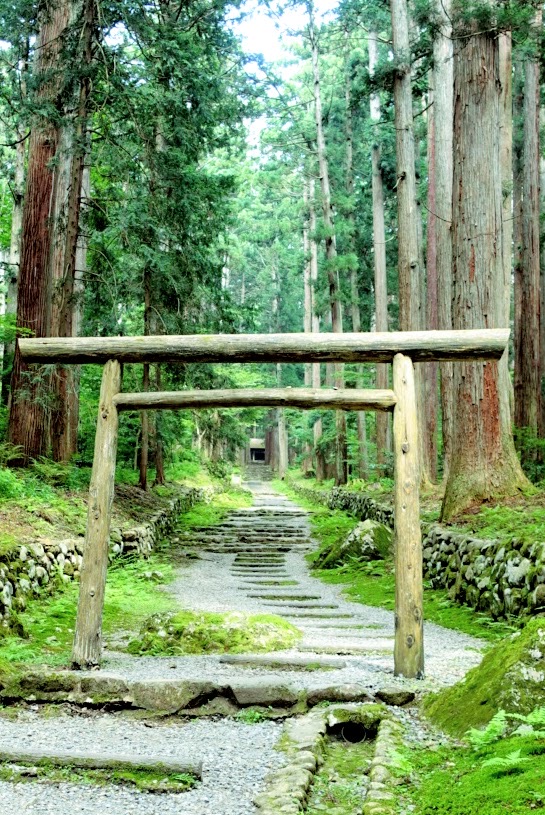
(315, 324)
(144, 419)
(484, 463)
(362, 463)
(383, 441)
(87, 649)
(527, 330)
(66, 207)
(431, 400)
(28, 420)
(341, 473)
(407, 230)
(443, 104)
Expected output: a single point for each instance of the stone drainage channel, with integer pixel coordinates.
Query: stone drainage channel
(253, 562)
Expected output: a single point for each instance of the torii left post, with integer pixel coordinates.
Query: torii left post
(87, 649)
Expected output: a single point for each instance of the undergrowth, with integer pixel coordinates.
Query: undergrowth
(373, 582)
(48, 623)
(501, 770)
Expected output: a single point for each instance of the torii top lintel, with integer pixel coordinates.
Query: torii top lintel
(420, 346)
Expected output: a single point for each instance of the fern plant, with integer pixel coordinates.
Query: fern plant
(493, 732)
(505, 765)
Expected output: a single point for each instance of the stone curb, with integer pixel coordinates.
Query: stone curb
(286, 789)
(187, 697)
(380, 799)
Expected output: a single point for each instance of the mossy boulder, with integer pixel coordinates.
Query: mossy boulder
(370, 540)
(205, 633)
(510, 677)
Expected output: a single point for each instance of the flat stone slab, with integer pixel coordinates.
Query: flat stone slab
(99, 761)
(268, 660)
(263, 692)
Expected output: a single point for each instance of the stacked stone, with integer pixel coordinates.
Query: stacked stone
(27, 570)
(360, 505)
(491, 576)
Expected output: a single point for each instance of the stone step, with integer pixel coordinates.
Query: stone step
(309, 605)
(301, 615)
(272, 660)
(284, 596)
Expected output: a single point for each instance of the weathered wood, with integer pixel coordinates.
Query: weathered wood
(304, 398)
(409, 643)
(88, 635)
(486, 343)
(97, 761)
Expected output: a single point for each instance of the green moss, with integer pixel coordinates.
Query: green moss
(504, 522)
(339, 786)
(191, 632)
(456, 781)
(142, 780)
(510, 677)
(48, 621)
(204, 515)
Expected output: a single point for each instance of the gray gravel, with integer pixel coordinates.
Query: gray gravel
(236, 758)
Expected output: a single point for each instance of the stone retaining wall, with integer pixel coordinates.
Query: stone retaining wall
(26, 571)
(359, 505)
(498, 578)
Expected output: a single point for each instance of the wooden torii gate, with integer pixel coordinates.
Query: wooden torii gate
(401, 348)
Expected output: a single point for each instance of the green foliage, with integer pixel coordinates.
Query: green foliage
(506, 777)
(494, 731)
(338, 787)
(501, 681)
(48, 622)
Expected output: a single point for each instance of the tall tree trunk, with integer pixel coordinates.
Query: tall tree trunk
(28, 420)
(66, 207)
(12, 272)
(506, 160)
(341, 474)
(306, 464)
(443, 80)
(527, 331)
(383, 441)
(407, 230)
(160, 478)
(282, 432)
(144, 415)
(518, 141)
(484, 463)
(431, 401)
(362, 464)
(315, 325)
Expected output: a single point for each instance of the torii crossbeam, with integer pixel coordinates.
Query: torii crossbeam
(401, 348)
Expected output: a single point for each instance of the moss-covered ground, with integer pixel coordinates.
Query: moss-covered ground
(505, 778)
(373, 583)
(54, 500)
(191, 632)
(339, 786)
(143, 780)
(510, 676)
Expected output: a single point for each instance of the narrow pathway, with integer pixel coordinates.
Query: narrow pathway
(254, 561)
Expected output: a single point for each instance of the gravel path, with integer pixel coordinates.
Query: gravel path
(242, 558)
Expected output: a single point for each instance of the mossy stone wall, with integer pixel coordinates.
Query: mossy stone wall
(28, 570)
(498, 578)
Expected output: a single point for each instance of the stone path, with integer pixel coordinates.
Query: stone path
(254, 561)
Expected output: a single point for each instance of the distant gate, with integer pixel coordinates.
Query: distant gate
(401, 348)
